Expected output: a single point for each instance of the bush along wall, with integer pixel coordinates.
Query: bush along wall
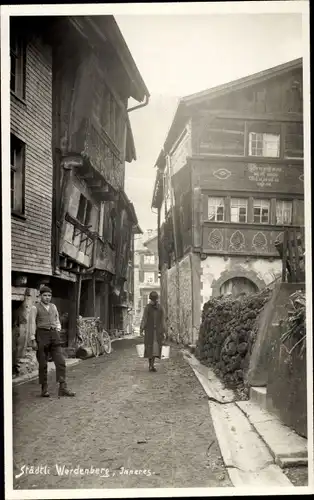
(227, 334)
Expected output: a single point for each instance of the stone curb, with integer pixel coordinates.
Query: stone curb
(285, 445)
(213, 387)
(28, 377)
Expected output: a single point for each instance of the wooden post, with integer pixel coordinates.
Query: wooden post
(284, 256)
(78, 295)
(297, 257)
(291, 258)
(94, 294)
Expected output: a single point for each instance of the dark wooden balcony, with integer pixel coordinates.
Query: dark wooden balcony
(101, 153)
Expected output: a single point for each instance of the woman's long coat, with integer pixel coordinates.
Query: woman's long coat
(153, 324)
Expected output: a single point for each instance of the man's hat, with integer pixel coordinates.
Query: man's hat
(45, 289)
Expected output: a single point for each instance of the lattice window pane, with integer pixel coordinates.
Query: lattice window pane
(264, 144)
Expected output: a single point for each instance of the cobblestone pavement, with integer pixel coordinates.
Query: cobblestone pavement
(154, 424)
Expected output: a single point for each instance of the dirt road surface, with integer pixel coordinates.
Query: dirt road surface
(153, 427)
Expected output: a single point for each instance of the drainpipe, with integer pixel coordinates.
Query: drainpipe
(140, 105)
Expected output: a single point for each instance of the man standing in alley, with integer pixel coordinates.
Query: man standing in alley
(154, 325)
(45, 337)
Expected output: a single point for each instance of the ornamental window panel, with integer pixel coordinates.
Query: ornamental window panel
(216, 209)
(283, 212)
(239, 209)
(261, 211)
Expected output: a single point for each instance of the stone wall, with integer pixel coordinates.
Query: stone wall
(227, 334)
(216, 270)
(180, 301)
(273, 367)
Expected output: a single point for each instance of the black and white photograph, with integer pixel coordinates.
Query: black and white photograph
(157, 293)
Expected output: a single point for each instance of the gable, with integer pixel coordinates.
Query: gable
(279, 94)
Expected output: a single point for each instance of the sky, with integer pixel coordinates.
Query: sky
(178, 55)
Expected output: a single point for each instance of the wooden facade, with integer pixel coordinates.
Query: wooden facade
(221, 161)
(89, 231)
(230, 175)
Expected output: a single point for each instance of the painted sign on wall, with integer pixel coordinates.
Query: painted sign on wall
(264, 175)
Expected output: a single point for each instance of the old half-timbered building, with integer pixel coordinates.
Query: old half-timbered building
(229, 180)
(72, 223)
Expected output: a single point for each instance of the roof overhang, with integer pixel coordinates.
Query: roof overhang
(108, 30)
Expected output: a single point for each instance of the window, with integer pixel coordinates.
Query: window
(264, 145)
(261, 210)
(239, 210)
(17, 65)
(149, 259)
(216, 209)
(84, 210)
(149, 278)
(17, 174)
(283, 212)
(108, 113)
(264, 139)
(293, 140)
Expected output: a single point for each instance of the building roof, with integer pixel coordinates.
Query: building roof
(147, 237)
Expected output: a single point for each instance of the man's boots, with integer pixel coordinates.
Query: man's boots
(64, 391)
(44, 391)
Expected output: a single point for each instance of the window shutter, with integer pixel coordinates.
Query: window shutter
(141, 277)
(156, 276)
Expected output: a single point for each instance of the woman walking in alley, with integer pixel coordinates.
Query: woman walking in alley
(154, 326)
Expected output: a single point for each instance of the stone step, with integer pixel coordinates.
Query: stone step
(258, 395)
(285, 445)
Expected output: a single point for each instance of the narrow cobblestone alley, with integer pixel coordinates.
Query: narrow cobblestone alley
(123, 416)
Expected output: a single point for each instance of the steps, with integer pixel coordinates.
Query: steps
(258, 395)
